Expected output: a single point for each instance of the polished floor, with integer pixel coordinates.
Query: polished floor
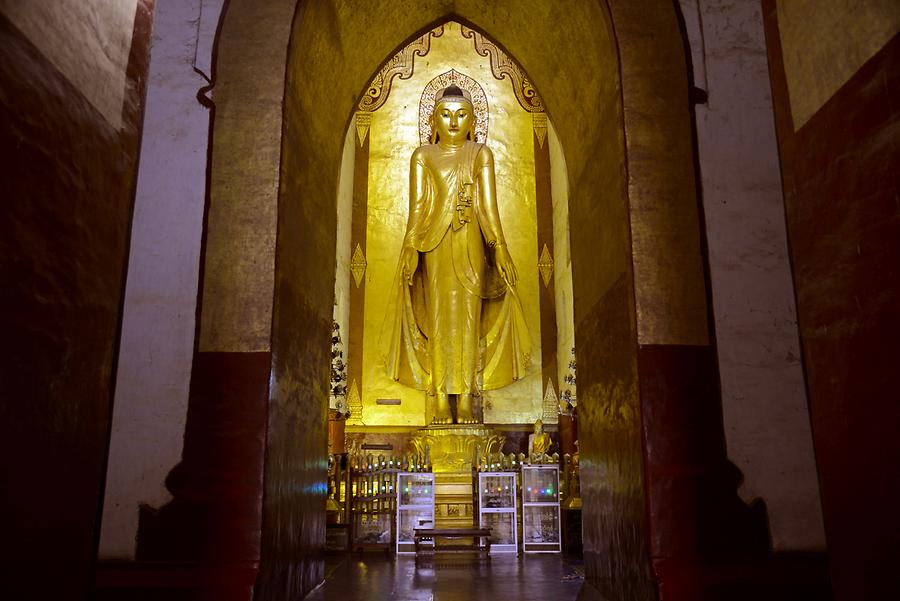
(364, 577)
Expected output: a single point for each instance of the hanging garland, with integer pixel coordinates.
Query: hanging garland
(338, 373)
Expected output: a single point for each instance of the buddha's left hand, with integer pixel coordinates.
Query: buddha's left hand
(505, 265)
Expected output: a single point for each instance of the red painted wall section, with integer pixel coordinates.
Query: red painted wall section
(67, 191)
(698, 524)
(215, 518)
(842, 191)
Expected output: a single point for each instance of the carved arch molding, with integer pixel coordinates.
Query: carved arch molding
(402, 65)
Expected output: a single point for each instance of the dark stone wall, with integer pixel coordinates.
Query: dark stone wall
(842, 185)
(614, 523)
(615, 533)
(67, 188)
(293, 538)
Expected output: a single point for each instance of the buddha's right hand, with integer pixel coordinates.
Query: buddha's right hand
(505, 265)
(410, 261)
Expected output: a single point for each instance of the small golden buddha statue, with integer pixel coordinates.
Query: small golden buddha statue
(454, 326)
(538, 443)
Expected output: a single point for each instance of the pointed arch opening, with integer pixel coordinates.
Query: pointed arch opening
(613, 84)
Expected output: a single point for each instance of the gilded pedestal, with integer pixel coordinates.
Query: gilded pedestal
(452, 449)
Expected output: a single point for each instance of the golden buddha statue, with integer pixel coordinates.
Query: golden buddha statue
(538, 443)
(454, 326)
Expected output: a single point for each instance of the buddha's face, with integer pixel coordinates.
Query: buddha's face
(453, 120)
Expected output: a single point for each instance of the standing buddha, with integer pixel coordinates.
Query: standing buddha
(455, 326)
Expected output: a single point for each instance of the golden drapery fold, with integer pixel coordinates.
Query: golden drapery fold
(459, 326)
(504, 344)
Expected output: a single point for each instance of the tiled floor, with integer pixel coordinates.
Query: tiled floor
(364, 577)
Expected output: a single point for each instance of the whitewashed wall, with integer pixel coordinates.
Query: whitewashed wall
(157, 341)
(767, 426)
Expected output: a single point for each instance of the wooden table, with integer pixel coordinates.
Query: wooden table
(481, 541)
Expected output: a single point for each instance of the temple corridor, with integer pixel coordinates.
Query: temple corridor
(605, 288)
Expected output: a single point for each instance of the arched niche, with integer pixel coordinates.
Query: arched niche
(619, 103)
(391, 120)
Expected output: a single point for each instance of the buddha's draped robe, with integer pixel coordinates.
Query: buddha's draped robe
(459, 327)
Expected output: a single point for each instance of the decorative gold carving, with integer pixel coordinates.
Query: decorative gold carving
(479, 103)
(550, 406)
(540, 127)
(453, 447)
(363, 121)
(503, 67)
(354, 402)
(400, 65)
(358, 264)
(545, 265)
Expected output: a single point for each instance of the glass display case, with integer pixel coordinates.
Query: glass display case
(415, 507)
(337, 521)
(373, 507)
(540, 509)
(497, 509)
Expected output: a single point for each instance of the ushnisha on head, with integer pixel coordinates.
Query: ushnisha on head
(452, 92)
(453, 118)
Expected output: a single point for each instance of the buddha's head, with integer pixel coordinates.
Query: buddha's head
(538, 426)
(453, 118)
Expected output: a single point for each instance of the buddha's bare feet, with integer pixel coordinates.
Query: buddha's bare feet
(442, 413)
(464, 410)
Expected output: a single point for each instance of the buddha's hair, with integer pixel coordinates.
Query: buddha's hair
(452, 92)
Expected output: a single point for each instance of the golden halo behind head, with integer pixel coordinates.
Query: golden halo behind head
(471, 92)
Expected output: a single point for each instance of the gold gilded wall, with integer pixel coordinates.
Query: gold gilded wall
(394, 134)
(669, 285)
(239, 254)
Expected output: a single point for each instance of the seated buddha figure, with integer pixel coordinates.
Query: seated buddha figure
(538, 443)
